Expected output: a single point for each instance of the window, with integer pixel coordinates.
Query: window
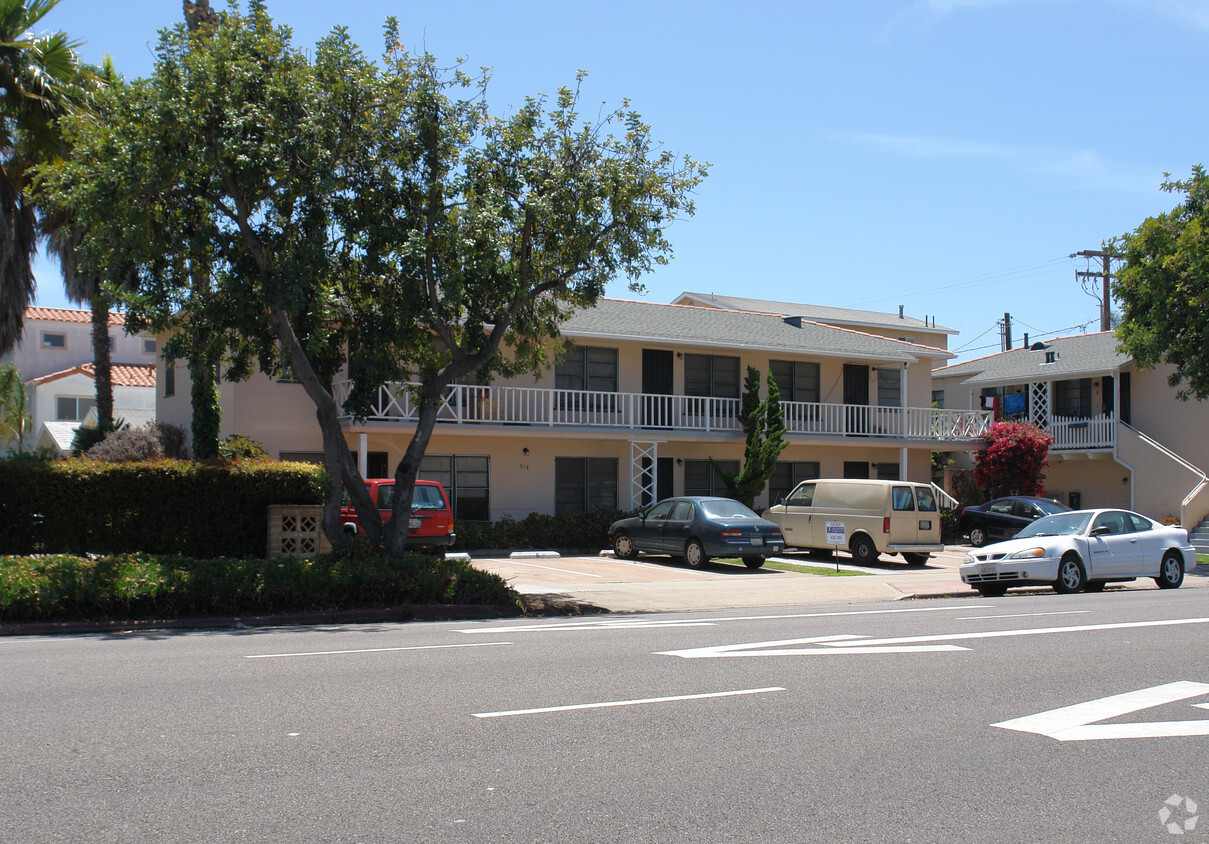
(797, 380)
(711, 375)
(803, 496)
(587, 368)
(701, 479)
(466, 480)
(149, 346)
(583, 484)
(889, 387)
(787, 475)
(303, 457)
(938, 399)
(902, 499)
(1073, 398)
(169, 379)
(73, 409)
(856, 471)
(52, 340)
(113, 343)
(887, 471)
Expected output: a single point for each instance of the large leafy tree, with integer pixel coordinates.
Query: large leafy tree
(1012, 461)
(1164, 288)
(313, 214)
(764, 425)
(38, 85)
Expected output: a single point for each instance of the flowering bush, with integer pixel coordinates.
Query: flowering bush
(1012, 461)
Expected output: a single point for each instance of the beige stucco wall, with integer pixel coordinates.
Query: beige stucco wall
(1098, 482)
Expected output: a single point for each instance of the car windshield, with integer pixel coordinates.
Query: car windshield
(1060, 524)
(1049, 508)
(723, 509)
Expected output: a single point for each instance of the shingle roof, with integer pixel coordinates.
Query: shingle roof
(122, 374)
(1080, 355)
(655, 322)
(69, 315)
(818, 313)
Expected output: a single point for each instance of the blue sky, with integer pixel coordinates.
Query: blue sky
(943, 155)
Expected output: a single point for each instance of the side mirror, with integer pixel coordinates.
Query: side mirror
(1101, 530)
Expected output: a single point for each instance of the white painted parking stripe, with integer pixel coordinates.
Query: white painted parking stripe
(1021, 615)
(638, 702)
(551, 568)
(378, 650)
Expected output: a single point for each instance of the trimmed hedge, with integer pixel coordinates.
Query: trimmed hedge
(570, 531)
(202, 509)
(131, 586)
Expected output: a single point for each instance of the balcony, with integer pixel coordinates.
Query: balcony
(1076, 434)
(472, 405)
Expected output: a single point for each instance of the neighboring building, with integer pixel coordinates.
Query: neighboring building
(1121, 438)
(63, 401)
(645, 397)
(55, 359)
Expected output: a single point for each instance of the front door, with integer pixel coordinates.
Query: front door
(856, 395)
(657, 384)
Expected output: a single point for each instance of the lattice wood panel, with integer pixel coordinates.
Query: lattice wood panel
(296, 531)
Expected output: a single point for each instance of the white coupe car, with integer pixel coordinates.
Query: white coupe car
(1082, 549)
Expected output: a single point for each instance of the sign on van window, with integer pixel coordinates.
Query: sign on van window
(835, 533)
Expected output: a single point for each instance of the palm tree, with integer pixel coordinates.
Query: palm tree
(15, 420)
(38, 74)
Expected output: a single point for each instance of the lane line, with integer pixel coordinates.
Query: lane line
(593, 625)
(638, 702)
(1020, 615)
(378, 650)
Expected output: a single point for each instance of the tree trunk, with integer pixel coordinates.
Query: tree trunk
(395, 532)
(101, 361)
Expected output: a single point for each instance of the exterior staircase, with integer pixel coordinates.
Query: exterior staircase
(1199, 536)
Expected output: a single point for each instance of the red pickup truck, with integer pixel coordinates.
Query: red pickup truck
(431, 524)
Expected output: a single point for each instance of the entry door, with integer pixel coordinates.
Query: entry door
(657, 383)
(856, 392)
(663, 479)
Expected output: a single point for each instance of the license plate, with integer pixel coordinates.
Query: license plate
(986, 568)
(925, 525)
(412, 524)
(757, 540)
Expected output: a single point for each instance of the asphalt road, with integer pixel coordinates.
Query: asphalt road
(879, 722)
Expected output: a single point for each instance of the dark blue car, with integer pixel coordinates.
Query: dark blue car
(697, 528)
(1003, 518)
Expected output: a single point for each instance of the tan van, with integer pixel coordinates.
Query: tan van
(866, 517)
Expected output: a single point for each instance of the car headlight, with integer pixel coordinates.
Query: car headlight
(970, 559)
(1028, 554)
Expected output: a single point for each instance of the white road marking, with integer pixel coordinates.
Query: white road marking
(379, 650)
(1032, 631)
(608, 623)
(1021, 615)
(1077, 722)
(638, 702)
(552, 568)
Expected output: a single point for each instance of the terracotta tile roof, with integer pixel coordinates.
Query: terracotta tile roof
(70, 315)
(123, 374)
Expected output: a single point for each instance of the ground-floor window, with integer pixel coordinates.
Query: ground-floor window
(701, 479)
(582, 484)
(856, 470)
(788, 474)
(467, 481)
(887, 471)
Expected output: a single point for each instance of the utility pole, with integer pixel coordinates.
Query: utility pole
(1106, 275)
(1007, 332)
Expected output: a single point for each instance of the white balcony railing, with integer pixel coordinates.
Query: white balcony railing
(1077, 433)
(495, 405)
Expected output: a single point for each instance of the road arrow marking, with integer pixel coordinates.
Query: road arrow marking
(1078, 722)
(851, 644)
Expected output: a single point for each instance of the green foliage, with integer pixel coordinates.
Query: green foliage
(764, 424)
(127, 444)
(570, 531)
(241, 446)
(88, 437)
(129, 586)
(163, 506)
(15, 419)
(1164, 289)
(207, 413)
(1012, 460)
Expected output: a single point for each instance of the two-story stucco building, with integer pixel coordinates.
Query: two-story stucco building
(645, 396)
(1121, 437)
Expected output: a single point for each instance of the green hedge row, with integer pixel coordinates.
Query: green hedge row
(66, 588)
(211, 509)
(570, 531)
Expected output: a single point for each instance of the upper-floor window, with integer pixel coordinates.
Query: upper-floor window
(938, 399)
(169, 379)
(889, 387)
(797, 380)
(587, 368)
(113, 344)
(711, 375)
(149, 345)
(73, 408)
(1073, 398)
(54, 340)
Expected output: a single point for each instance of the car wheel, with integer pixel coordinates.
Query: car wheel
(916, 559)
(1071, 576)
(694, 554)
(1095, 586)
(1171, 571)
(992, 591)
(864, 552)
(978, 537)
(623, 547)
(753, 562)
